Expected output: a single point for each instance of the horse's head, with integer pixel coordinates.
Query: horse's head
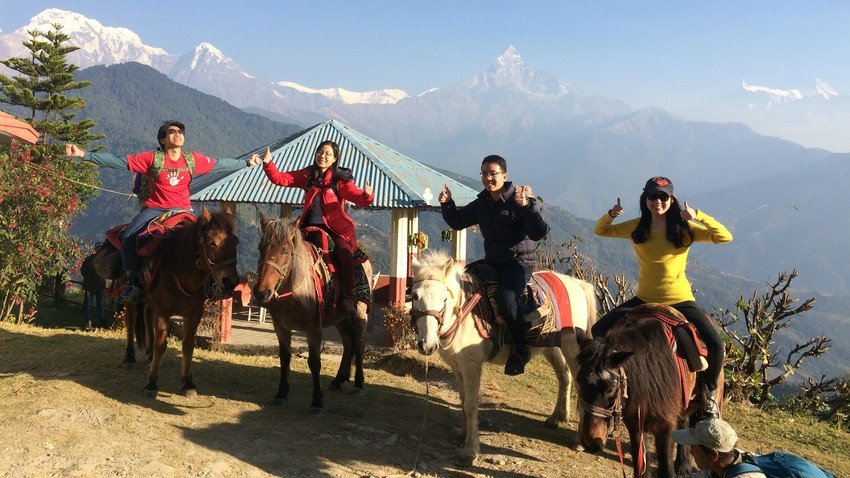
(217, 243)
(281, 245)
(602, 386)
(435, 292)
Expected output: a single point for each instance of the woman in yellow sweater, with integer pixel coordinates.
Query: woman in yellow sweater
(662, 237)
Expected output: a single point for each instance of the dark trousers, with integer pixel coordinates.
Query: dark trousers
(344, 253)
(94, 299)
(695, 315)
(129, 258)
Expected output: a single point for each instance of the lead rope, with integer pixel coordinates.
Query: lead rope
(424, 417)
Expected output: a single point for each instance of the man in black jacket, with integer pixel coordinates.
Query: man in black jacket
(510, 221)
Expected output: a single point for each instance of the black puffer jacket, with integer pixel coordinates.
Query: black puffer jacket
(509, 230)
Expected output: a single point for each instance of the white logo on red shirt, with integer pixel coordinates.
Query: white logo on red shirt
(173, 178)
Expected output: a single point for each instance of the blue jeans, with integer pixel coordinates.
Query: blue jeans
(94, 299)
(129, 258)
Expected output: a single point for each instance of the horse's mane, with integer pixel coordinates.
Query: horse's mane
(285, 234)
(432, 266)
(182, 246)
(652, 375)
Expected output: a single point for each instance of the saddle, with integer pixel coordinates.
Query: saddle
(147, 245)
(326, 265)
(684, 339)
(544, 300)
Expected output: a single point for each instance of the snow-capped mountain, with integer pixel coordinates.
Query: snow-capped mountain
(778, 96)
(99, 45)
(510, 70)
(206, 68)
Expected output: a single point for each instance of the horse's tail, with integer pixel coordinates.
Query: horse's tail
(592, 310)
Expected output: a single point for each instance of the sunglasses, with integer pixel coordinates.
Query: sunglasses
(663, 197)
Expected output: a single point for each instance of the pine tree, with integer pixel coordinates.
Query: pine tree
(40, 189)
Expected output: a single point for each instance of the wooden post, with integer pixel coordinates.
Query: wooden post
(398, 256)
(459, 246)
(226, 320)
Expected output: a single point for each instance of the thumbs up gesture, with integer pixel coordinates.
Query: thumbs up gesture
(267, 157)
(254, 160)
(445, 194)
(688, 213)
(367, 189)
(617, 210)
(521, 194)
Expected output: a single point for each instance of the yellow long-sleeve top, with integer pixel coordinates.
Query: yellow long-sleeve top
(661, 266)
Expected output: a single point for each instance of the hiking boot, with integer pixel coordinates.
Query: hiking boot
(129, 295)
(515, 365)
(708, 403)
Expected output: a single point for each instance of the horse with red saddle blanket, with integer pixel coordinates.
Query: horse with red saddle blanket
(642, 374)
(187, 261)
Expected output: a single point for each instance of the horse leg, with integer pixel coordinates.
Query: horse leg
(638, 448)
(130, 320)
(461, 436)
(358, 326)
(664, 448)
(570, 350)
(343, 375)
(140, 326)
(190, 328)
(150, 335)
(284, 341)
(160, 325)
(556, 359)
(471, 387)
(314, 362)
(684, 463)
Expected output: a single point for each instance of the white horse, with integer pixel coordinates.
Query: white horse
(442, 323)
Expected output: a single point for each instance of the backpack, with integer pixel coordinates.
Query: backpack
(144, 182)
(778, 464)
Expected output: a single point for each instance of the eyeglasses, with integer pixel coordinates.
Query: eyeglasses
(325, 154)
(491, 174)
(663, 197)
(175, 131)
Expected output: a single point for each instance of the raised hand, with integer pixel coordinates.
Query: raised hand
(267, 156)
(367, 189)
(445, 195)
(255, 160)
(521, 194)
(73, 151)
(617, 210)
(688, 213)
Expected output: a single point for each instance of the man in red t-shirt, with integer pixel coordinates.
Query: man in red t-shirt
(169, 190)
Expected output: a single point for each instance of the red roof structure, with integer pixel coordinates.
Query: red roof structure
(13, 128)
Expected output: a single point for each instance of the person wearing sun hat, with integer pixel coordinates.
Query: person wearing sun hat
(661, 238)
(712, 445)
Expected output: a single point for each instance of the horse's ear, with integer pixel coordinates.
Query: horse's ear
(414, 261)
(205, 214)
(618, 358)
(264, 221)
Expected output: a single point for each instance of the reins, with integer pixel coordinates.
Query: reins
(614, 413)
(460, 313)
(207, 266)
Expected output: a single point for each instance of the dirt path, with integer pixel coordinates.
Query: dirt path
(68, 409)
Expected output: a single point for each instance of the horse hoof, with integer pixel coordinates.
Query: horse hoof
(358, 391)
(150, 392)
(465, 460)
(317, 411)
(190, 392)
(553, 423)
(335, 386)
(279, 402)
(129, 366)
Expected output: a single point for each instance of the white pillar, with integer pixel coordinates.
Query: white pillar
(398, 255)
(459, 246)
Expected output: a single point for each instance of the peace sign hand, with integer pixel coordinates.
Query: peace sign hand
(445, 195)
(367, 189)
(617, 210)
(688, 213)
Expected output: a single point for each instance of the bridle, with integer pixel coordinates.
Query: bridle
(204, 264)
(282, 273)
(460, 313)
(613, 413)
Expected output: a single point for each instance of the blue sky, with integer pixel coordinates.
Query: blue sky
(646, 53)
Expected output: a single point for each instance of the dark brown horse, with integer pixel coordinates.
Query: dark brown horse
(631, 375)
(286, 287)
(198, 263)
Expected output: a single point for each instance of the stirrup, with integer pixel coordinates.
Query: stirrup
(129, 295)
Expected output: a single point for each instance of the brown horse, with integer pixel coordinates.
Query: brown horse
(286, 287)
(631, 374)
(194, 258)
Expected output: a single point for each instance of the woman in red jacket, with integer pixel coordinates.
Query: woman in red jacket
(326, 188)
